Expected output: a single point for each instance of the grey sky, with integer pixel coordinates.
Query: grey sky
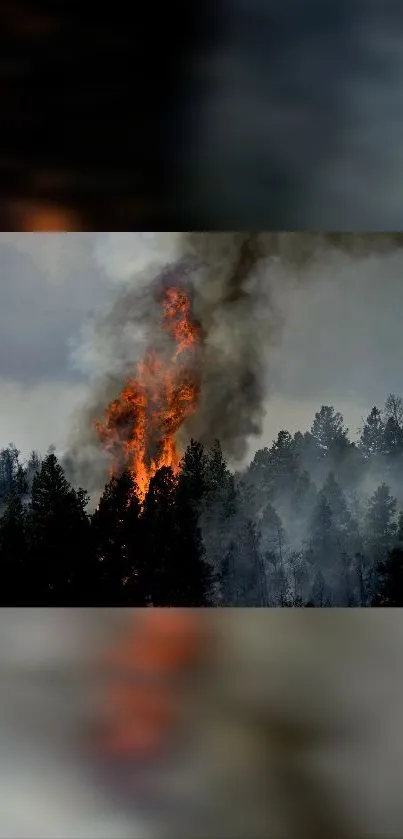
(342, 340)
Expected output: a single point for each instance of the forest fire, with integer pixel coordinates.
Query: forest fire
(140, 425)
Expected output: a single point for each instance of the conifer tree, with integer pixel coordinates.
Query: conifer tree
(58, 536)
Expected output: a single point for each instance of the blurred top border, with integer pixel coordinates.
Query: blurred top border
(217, 115)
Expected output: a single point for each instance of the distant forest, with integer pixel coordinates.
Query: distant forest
(314, 520)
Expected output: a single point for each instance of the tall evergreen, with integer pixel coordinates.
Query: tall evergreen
(14, 578)
(59, 546)
(10, 470)
(218, 523)
(246, 583)
(328, 430)
(176, 573)
(371, 441)
(381, 522)
(116, 531)
(390, 580)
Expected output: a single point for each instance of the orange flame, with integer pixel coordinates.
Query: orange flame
(140, 713)
(140, 425)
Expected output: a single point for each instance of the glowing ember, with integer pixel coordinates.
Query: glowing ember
(140, 425)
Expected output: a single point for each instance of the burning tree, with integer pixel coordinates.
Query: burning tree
(140, 425)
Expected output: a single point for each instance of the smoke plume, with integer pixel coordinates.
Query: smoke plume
(239, 285)
(240, 319)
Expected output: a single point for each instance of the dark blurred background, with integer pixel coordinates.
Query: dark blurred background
(293, 727)
(233, 113)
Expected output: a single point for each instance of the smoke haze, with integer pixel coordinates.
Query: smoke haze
(334, 311)
(290, 314)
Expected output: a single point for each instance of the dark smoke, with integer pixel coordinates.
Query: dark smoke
(242, 292)
(240, 321)
(240, 285)
(231, 301)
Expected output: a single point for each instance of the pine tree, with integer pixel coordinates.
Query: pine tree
(272, 538)
(193, 479)
(218, 520)
(346, 586)
(9, 470)
(158, 519)
(323, 550)
(394, 409)
(393, 439)
(21, 482)
(366, 579)
(201, 476)
(58, 531)
(278, 588)
(33, 466)
(390, 580)
(217, 472)
(346, 543)
(283, 456)
(298, 578)
(220, 484)
(13, 553)
(301, 504)
(307, 449)
(176, 573)
(260, 465)
(246, 584)
(380, 533)
(328, 430)
(191, 570)
(271, 531)
(334, 495)
(260, 476)
(303, 495)
(117, 542)
(273, 471)
(321, 531)
(381, 521)
(372, 435)
(227, 576)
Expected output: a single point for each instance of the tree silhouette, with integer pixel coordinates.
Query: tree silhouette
(371, 441)
(393, 439)
(294, 527)
(176, 573)
(390, 580)
(381, 521)
(328, 430)
(193, 479)
(116, 531)
(58, 537)
(243, 562)
(394, 408)
(321, 530)
(10, 470)
(14, 553)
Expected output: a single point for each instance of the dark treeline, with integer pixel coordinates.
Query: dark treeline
(314, 520)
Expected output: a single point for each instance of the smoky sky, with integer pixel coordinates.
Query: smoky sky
(299, 118)
(353, 314)
(327, 333)
(266, 114)
(40, 314)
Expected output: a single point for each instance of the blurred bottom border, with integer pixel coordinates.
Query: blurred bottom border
(285, 722)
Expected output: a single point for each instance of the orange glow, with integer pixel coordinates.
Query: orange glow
(142, 698)
(41, 217)
(140, 425)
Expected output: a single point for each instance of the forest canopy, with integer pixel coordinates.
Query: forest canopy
(314, 520)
